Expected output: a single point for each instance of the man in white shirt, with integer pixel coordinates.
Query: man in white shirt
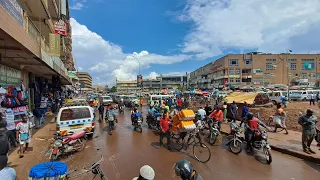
(6, 173)
(201, 113)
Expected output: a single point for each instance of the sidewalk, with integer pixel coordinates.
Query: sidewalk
(36, 152)
(288, 144)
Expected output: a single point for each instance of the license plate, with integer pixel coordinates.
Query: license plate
(76, 127)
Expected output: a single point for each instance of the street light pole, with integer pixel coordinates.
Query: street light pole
(139, 72)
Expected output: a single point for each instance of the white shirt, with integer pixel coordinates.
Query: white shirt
(8, 173)
(201, 113)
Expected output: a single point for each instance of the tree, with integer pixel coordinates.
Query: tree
(113, 89)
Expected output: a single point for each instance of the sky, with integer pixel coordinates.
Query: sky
(113, 38)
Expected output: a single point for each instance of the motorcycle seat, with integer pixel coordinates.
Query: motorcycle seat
(76, 135)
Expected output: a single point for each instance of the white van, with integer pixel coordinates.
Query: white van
(160, 97)
(275, 96)
(75, 119)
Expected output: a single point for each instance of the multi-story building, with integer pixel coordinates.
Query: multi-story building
(85, 81)
(161, 82)
(67, 57)
(30, 46)
(258, 69)
(127, 86)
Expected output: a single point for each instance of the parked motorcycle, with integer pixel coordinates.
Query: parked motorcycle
(214, 132)
(138, 125)
(260, 142)
(66, 144)
(235, 142)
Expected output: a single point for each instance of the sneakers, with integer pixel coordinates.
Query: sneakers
(312, 151)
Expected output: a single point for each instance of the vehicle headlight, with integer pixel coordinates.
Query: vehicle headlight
(58, 143)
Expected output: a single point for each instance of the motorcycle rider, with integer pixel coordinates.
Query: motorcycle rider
(208, 109)
(135, 115)
(217, 115)
(121, 104)
(184, 169)
(251, 126)
(201, 113)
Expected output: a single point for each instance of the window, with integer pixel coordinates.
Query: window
(292, 60)
(271, 60)
(293, 66)
(267, 75)
(304, 75)
(238, 71)
(312, 75)
(248, 62)
(270, 66)
(233, 62)
(75, 113)
(238, 80)
(231, 80)
(231, 71)
(307, 60)
(258, 71)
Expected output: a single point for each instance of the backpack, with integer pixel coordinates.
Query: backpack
(4, 144)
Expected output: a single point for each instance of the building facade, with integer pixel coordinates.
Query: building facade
(161, 82)
(85, 80)
(31, 50)
(258, 69)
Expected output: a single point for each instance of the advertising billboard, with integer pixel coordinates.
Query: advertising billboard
(139, 81)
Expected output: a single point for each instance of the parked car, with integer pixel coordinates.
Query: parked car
(106, 100)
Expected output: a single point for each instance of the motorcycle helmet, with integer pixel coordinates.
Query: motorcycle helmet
(249, 116)
(184, 169)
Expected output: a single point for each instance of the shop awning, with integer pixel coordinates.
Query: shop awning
(241, 97)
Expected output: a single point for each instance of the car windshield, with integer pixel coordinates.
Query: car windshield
(106, 98)
(296, 93)
(75, 113)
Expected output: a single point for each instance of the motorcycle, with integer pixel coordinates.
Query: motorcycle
(154, 120)
(214, 132)
(260, 142)
(138, 125)
(66, 144)
(235, 142)
(121, 111)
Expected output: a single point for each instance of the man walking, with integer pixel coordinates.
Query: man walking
(234, 109)
(164, 124)
(308, 123)
(311, 96)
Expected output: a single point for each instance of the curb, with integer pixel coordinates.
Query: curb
(289, 152)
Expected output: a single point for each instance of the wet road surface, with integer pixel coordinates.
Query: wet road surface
(125, 151)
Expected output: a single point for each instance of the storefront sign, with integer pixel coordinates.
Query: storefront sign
(9, 76)
(308, 66)
(19, 110)
(54, 41)
(46, 58)
(60, 27)
(14, 9)
(139, 81)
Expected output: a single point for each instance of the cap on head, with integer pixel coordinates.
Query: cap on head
(147, 172)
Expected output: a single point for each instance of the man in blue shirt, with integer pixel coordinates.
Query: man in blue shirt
(245, 111)
(6, 172)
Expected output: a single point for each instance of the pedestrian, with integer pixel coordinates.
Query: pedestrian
(225, 110)
(23, 134)
(164, 125)
(95, 103)
(146, 173)
(6, 173)
(4, 142)
(11, 133)
(317, 97)
(308, 123)
(234, 109)
(111, 118)
(245, 111)
(179, 103)
(101, 111)
(311, 96)
(170, 102)
(141, 102)
(279, 118)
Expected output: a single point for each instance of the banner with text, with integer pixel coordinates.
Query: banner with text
(54, 41)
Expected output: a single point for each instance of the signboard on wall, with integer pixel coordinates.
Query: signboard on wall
(54, 41)
(308, 66)
(60, 27)
(14, 9)
(139, 81)
(9, 76)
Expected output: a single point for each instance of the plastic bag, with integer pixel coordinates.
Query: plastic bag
(277, 120)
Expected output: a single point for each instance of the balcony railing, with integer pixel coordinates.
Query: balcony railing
(34, 32)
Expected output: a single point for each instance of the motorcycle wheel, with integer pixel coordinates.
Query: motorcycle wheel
(80, 145)
(139, 129)
(268, 155)
(212, 139)
(235, 147)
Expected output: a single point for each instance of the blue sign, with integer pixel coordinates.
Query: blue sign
(14, 9)
(308, 66)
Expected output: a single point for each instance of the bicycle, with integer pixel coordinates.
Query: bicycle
(179, 143)
(94, 169)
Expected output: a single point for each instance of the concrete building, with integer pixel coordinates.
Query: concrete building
(257, 69)
(161, 82)
(85, 80)
(98, 88)
(26, 53)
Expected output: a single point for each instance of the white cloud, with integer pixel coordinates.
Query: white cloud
(107, 61)
(270, 26)
(80, 68)
(152, 75)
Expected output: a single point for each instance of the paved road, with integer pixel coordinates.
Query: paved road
(125, 151)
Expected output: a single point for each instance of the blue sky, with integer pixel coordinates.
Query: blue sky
(177, 36)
